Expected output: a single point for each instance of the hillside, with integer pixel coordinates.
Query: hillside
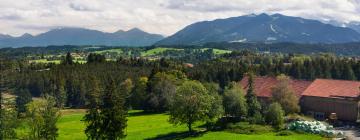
(261, 28)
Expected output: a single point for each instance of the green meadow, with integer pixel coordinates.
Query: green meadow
(156, 126)
(157, 51)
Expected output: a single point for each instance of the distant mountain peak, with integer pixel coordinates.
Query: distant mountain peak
(5, 36)
(26, 35)
(119, 31)
(135, 30)
(82, 36)
(261, 28)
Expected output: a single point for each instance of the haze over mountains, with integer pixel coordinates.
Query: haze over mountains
(80, 36)
(262, 28)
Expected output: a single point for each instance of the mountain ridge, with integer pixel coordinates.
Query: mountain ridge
(82, 36)
(261, 28)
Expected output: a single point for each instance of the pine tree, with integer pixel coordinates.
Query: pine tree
(92, 117)
(60, 93)
(113, 113)
(50, 116)
(68, 59)
(348, 73)
(23, 97)
(251, 99)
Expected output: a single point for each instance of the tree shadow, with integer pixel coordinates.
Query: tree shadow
(177, 135)
(141, 113)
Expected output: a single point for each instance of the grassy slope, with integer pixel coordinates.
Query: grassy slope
(143, 126)
(218, 51)
(118, 50)
(157, 51)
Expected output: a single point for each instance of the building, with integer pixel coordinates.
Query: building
(318, 98)
(263, 86)
(324, 97)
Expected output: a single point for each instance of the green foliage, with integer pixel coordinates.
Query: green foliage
(42, 118)
(191, 103)
(68, 60)
(275, 115)
(92, 117)
(8, 119)
(247, 128)
(234, 101)
(284, 94)
(285, 133)
(162, 88)
(95, 58)
(113, 112)
(253, 104)
(23, 97)
(257, 118)
(139, 94)
(216, 110)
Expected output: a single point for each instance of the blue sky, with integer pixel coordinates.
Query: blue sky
(156, 16)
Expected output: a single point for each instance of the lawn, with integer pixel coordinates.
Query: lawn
(156, 126)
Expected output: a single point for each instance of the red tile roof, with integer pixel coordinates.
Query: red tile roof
(263, 85)
(333, 88)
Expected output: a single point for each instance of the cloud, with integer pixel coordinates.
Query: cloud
(156, 16)
(78, 6)
(10, 17)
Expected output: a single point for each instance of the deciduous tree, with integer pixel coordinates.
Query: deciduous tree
(285, 96)
(191, 103)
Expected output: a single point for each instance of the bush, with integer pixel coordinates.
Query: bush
(275, 116)
(257, 118)
(297, 117)
(246, 128)
(285, 133)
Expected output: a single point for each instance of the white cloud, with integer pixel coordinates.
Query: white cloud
(156, 16)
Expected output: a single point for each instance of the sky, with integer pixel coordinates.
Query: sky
(156, 16)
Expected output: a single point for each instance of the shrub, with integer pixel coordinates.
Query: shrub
(257, 118)
(246, 128)
(285, 133)
(275, 116)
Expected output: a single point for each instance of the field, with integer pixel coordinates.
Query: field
(156, 51)
(156, 126)
(218, 51)
(118, 51)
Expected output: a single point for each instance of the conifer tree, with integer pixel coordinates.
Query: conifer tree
(113, 113)
(253, 104)
(92, 117)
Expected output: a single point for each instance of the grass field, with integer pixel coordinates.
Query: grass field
(156, 126)
(218, 51)
(45, 61)
(156, 51)
(54, 61)
(118, 51)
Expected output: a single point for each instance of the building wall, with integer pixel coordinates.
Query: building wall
(345, 109)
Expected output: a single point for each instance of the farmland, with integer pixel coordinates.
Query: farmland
(113, 54)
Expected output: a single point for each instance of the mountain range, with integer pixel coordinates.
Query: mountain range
(262, 28)
(81, 36)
